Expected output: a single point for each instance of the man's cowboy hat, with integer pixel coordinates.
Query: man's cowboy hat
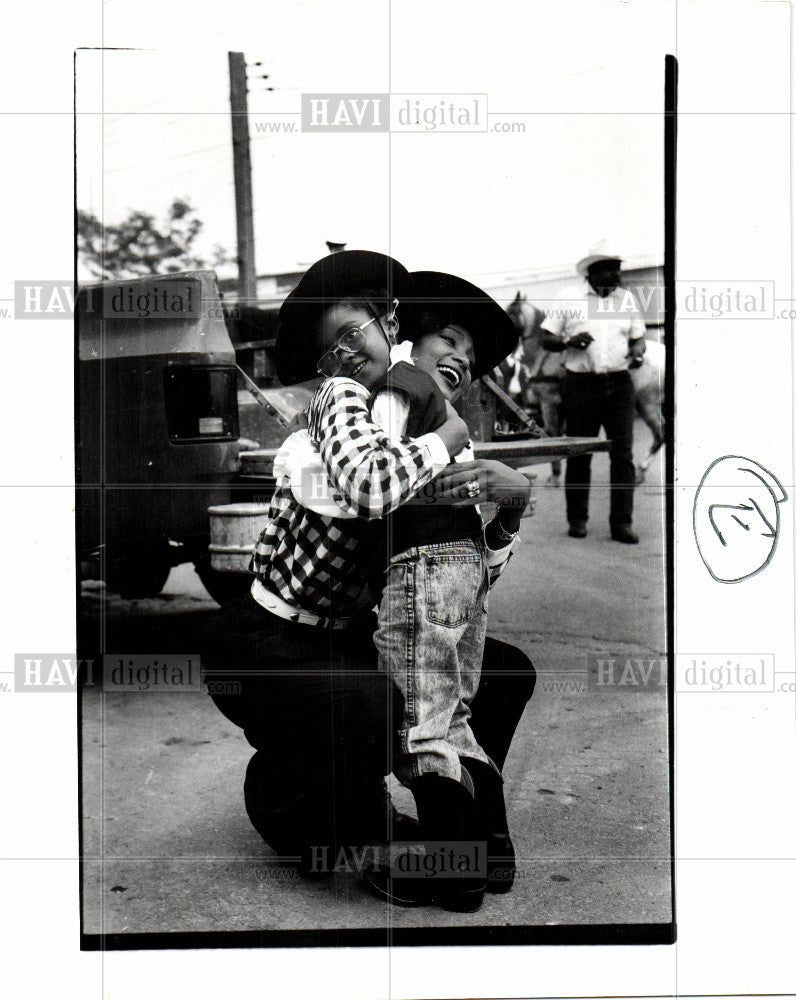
(583, 265)
(328, 281)
(454, 300)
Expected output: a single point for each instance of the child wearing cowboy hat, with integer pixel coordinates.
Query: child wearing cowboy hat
(318, 714)
(301, 562)
(431, 571)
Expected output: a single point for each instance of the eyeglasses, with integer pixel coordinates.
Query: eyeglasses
(352, 341)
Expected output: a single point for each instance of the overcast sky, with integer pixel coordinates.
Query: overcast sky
(586, 80)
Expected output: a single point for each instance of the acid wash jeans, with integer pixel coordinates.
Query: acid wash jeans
(430, 640)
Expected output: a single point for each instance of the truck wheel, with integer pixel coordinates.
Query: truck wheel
(222, 587)
(139, 573)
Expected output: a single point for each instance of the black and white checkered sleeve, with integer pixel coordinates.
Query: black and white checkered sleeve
(372, 474)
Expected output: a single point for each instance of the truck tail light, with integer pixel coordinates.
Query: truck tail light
(201, 403)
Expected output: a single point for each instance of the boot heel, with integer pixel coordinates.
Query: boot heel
(446, 811)
(463, 901)
(500, 866)
(491, 807)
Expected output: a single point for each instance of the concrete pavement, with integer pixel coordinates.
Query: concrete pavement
(169, 847)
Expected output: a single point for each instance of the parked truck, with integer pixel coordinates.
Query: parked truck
(157, 428)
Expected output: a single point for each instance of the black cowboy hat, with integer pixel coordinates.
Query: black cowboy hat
(329, 280)
(455, 300)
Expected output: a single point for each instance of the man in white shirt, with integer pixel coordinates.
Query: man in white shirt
(601, 332)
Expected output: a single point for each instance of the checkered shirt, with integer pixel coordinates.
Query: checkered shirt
(309, 560)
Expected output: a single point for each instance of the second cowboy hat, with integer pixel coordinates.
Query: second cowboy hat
(454, 300)
(329, 280)
(583, 265)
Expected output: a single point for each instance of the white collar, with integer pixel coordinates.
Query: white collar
(401, 352)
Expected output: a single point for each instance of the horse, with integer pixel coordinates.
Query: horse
(545, 371)
(648, 381)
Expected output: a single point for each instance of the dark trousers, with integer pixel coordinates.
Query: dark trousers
(322, 720)
(591, 402)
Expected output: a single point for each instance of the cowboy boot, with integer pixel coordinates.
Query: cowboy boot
(447, 816)
(493, 824)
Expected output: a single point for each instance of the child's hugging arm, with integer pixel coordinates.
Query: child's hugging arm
(299, 462)
(372, 473)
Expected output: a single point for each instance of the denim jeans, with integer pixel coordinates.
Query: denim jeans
(321, 718)
(430, 640)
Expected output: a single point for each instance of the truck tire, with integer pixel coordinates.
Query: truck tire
(139, 573)
(222, 587)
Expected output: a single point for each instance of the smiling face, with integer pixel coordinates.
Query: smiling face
(448, 357)
(371, 361)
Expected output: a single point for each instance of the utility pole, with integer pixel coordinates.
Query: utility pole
(242, 168)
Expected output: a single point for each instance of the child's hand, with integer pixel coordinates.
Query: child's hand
(455, 433)
(509, 489)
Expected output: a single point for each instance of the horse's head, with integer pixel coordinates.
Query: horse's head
(525, 316)
(520, 314)
(527, 320)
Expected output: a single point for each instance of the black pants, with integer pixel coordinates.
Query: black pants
(591, 402)
(322, 720)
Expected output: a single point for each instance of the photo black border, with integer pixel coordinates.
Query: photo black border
(565, 934)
